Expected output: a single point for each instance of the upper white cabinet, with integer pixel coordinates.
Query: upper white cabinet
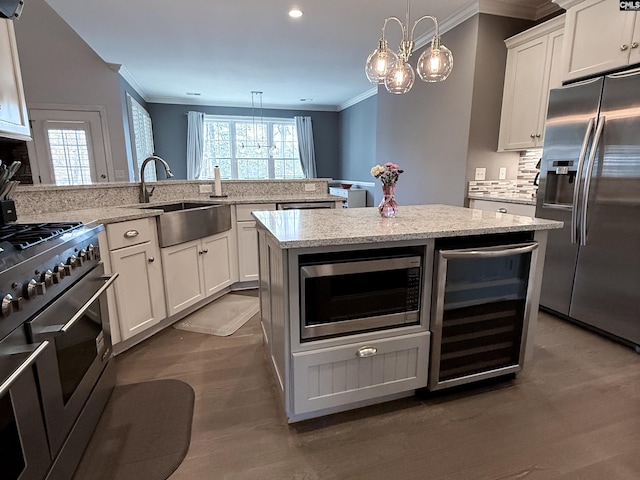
(598, 38)
(14, 122)
(533, 68)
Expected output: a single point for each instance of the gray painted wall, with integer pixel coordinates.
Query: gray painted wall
(358, 142)
(488, 84)
(58, 67)
(426, 131)
(170, 133)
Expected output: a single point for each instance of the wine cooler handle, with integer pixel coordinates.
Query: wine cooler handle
(491, 252)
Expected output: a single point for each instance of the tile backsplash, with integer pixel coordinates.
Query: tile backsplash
(523, 185)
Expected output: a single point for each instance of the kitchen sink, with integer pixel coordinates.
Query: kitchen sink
(185, 221)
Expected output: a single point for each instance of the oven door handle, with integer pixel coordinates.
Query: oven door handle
(109, 281)
(501, 251)
(6, 385)
(58, 329)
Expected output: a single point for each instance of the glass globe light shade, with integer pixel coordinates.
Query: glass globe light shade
(400, 79)
(435, 63)
(380, 62)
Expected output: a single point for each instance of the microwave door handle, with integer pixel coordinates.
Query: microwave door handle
(576, 187)
(6, 385)
(490, 252)
(78, 315)
(380, 265)
(587, 180)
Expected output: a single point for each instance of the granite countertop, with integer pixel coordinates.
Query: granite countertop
(318, 228)
(114, 214)
(522, 198)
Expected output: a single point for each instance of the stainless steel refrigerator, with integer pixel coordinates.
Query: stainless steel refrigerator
(590, 180)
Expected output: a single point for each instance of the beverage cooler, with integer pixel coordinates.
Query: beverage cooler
(481, 308)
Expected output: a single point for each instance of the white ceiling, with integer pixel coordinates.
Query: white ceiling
(224, 49)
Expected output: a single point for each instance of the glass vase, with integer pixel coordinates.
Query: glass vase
(388, 206)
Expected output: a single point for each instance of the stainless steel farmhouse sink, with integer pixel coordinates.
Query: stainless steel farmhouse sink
(185, 221)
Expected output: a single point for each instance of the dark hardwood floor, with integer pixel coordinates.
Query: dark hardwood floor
(574, 413)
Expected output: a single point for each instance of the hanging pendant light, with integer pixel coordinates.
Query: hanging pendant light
(256, 97)
(384, 66)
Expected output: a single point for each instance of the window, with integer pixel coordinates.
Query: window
(142, 138)
(69, 156)
(246, 150)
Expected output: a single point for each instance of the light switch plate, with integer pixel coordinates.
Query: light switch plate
(206, 188)
(309, 187)
(480, 173)
(503, 173)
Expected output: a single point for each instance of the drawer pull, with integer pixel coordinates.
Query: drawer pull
(502, 210)
(131, 233)
(364, 352)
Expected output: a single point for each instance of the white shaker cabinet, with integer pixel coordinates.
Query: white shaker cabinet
(197, 269)
(14, 122)
(138, 296)
(248, 240)
(599, 38)
(533, 68)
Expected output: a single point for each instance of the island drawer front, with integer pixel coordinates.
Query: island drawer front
(346, 374)
(131, 232)
(243, 211)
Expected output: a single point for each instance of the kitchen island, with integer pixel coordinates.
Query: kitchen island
(339, 361)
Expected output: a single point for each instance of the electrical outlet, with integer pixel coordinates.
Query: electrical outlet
(206, 188)
(503, 173)
(481, 173)
(309, 187)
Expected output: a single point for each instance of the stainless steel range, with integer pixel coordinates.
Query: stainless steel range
(55, 347)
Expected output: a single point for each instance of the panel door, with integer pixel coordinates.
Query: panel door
(216, 262)
(523, 95)
(183, 275)
(139, 289)
(596, 31)
(13, 110)
(247, 251)
(634, 54)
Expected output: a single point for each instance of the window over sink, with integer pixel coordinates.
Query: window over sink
(248, 149)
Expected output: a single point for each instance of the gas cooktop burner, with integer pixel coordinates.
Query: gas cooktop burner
(26, 235)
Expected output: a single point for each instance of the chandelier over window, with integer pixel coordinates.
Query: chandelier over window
(385, 66)
(256, 98)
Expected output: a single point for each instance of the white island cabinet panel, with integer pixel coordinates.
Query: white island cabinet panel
(338, 375)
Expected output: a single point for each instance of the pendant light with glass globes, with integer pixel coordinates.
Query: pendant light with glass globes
(395, 71)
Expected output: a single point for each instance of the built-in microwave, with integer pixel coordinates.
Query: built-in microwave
(370, 290)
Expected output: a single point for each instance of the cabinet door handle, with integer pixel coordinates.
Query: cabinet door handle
(537, 135)
(151, 259)
(634, 45)
(624, 47)
(532, 135)
(131, 233)
(364, 352)
(502, 210)
(206, 250)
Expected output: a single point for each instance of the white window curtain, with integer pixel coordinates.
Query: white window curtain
(195, 144)
(305, 145)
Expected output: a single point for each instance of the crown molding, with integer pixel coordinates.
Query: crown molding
(502, 8)
(363, 96)
(216, 103)
(124, 73)
(566, 4)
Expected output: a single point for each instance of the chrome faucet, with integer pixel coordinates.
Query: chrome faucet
(144, 193)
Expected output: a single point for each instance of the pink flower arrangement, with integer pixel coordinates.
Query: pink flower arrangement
(387, 173)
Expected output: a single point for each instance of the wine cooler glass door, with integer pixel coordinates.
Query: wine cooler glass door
(482, 310)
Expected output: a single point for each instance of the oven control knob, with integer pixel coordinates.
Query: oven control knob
(7, 305)
(73, 262)
(83, 256)
(32, 289)
(47, 278)
(61, 270)
(91, 252)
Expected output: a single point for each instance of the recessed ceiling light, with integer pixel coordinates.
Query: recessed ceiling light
(306, 99)
(295, 12)
(195, 94)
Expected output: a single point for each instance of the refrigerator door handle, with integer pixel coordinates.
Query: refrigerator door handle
(587, 180)
(576, 187)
